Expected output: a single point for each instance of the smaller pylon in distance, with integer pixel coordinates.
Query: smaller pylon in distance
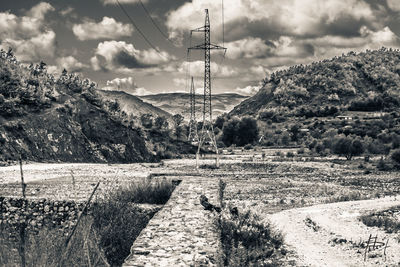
(193, 136)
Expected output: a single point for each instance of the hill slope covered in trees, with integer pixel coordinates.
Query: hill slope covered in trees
(367, 81)
(133, 105)
(47, 119)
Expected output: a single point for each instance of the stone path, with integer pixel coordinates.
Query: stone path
(182, 233)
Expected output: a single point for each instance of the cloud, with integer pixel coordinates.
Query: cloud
(260, 18)
(197, 69)
(248, 90)
(113, 2)
(28, 35)
(108, 28)
(393, 5)
(127, 85)
(247, 48)
(71, 64)
(67, 11)
(119, 56)
(40, 10)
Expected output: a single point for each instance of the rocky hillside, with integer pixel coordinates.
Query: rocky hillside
(133, 105)
(179, 103)
(47, 119)
(367, 81)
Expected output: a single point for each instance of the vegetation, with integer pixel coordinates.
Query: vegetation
(102, 236)
(246, 241)
(387, 219)
(239, 131)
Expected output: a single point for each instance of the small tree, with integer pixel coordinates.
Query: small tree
(161, 123)
(178, 119)
(345, 146)
(147, 120)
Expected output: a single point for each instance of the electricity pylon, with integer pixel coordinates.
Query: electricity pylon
(193, 136)
(207, 131)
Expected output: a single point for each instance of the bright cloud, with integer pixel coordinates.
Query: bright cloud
(248, 90)
(71, 64)
(127, 85)
(279, 17)
(394, 5)
(111, 55)
(197, 69)
(27, 35)
(108, 28)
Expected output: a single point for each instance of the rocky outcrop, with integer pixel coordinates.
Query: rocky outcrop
(73, 131)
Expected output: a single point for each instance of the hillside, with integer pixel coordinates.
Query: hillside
(367, 81)
(47, 119)
(133, 105)
(178, 103)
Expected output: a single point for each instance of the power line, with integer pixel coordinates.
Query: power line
(155, 24)
(141, 33)
(223, 24)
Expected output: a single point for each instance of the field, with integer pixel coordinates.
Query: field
(308, 199)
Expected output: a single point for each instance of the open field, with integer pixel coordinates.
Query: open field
(293, 192)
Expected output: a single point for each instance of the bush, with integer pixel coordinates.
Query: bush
(396, 157)
(248, 147)
(240, 132)
(289, 154)
(246, 241)
(345, 146)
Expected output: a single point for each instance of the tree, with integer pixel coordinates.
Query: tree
(147, 120)
(348, 147)
(295, 129)
(178, 119)
(161, 123)
(240, 132)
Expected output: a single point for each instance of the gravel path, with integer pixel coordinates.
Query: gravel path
(315, 247)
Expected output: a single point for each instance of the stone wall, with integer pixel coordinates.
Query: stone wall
(37, 213)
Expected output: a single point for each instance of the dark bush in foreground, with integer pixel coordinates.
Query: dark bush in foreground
(246, 241)
(384, 219)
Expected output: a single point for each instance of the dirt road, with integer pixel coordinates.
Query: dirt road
(312, 231)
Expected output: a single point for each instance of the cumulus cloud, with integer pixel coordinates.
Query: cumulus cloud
(274, 18)
(71, 64)
(40, 10)
(119, 55)
(248, 90)
(112, 2)
(127, 85)
(108, 28)
(393, 5)
(197, 69)
(28, 35)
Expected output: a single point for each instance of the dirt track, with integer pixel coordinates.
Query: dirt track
(336, 220)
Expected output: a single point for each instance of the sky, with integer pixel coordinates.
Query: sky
(95, 38)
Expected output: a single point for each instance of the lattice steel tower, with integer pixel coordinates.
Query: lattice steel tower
(207, 131)
(193, 136)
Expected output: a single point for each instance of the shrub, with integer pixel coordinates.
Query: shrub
(289, 154)
(246, 241)
(240, 132)
(396, 157)
(248, 147)
(348, 147)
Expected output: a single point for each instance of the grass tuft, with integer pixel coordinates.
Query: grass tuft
(246, 241)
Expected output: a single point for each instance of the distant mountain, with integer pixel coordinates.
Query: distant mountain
(367, 81)
(133, 104)
(65, 119)
(179, 103)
